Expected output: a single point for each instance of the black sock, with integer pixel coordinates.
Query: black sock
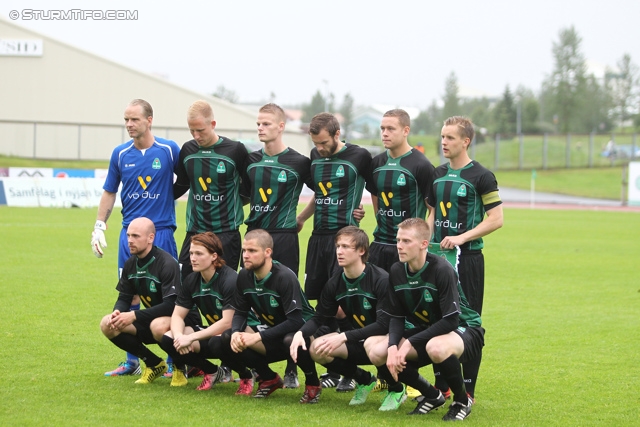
(383, 372)
(258, 362)
(308, 366)
(133, 345)
(411, 377)
(346, 368)
(470, 370)
(452, 372)
(441, 383)
(219, 347)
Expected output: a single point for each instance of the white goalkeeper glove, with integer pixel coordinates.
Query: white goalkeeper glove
(98, 241)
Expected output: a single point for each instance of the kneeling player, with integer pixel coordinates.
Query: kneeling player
(361, 291)
(273, 292)
(154, 275)
(212, 288)
(445, 330)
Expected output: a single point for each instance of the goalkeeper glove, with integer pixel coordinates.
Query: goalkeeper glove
(98, 241)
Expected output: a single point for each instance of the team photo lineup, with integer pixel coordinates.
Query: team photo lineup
(227, 304)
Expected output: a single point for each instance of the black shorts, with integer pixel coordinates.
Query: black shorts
(357, 353)
(231, 249)
(321, 263)
(143, 332)
(471, 274)
(472, 339)
(383, 255)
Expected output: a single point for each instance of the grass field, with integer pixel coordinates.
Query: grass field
(561, 313)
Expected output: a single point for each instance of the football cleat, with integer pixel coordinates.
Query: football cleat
(362, 392)
(128, 367)
(427, 405)
(151, 373)
(265, 388)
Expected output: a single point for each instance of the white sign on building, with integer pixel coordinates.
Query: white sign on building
(14, 47)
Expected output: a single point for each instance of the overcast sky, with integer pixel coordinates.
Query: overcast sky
(394, 52)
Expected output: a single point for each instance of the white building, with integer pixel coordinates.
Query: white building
(61, 102)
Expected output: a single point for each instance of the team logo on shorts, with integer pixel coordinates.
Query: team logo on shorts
(462, 191)
(282, 177)
(156, 164)
(221, 167)
(273, 302)
(402, 180)
(340, 172)
(427, 296)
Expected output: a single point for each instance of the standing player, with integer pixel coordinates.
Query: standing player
(463, 191)
(361, 290)
(211, 288)
(339, 171)
(443, 327)
(145, 166)
(276, 174)
(401, 178)
(212, 167)
(273, 292)
(154, 275)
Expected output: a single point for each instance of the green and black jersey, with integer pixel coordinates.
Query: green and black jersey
(364, 300)
(213, 176)
(274, 187)
(272, 299)
(155, 278)
(212, 297)
(461, 198)
(338, 183)
(424, 298)
(401, 186)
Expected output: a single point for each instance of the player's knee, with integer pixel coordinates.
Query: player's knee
(104, 326)
(159, 327)
(377, 355)
(437, 352)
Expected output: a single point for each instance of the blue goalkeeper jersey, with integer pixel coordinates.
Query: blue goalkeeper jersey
(147, 181)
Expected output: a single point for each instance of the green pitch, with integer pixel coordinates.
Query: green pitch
(561, 312)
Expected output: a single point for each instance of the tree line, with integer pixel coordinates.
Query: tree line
(570, 99)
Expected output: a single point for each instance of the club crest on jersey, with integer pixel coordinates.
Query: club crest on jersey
(340, 172)
(366, 304)
(402, 180)
(152, 287)
(427, 296)
(282, 177)
(221, 168)
(273, 302)
(156, 164)
(462, 191)
(218, 304)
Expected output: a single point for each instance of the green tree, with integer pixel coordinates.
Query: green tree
(428, 121)
(565, 89)
(451, 100)
(529, 110)
(318, 104)
(623, 87)
(505, 115)
(346, 111)
(227, 94)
